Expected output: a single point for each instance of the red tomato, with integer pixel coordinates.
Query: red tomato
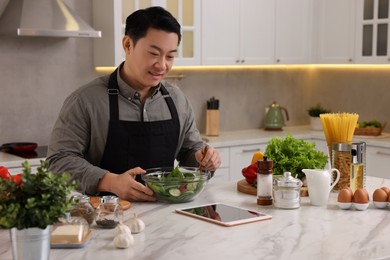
(4, 173)
(17, 178)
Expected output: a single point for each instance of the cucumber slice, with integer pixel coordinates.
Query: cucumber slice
(174, 192)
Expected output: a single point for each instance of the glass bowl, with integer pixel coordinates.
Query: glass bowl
(176, 189)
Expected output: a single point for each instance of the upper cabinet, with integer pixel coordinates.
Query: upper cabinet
(372, 31)
(256, 31)
(237, 32)
(109, 16)
(334, 38)
(293, 39)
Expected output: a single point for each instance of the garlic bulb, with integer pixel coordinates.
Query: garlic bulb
(135, 224)
(121, 228)
(123, 240)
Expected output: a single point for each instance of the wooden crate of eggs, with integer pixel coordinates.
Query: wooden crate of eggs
(360, 198)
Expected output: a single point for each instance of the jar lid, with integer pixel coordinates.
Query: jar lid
(288, 181)
(80, 198)
(109, 199)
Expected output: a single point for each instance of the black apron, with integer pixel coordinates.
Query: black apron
(134, 143)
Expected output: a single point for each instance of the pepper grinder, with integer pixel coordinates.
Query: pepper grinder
(264, 182)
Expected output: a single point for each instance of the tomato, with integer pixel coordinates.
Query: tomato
(17, 178)
(4, 173)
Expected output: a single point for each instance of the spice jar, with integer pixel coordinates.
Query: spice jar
(82, 208)
(287, 192)
(109, 212)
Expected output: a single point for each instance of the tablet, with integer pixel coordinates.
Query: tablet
(223, 214)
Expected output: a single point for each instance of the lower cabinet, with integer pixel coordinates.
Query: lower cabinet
(378, 162)
(241, 156)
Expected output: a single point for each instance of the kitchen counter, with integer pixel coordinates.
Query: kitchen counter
(306, 233)
(251, 136)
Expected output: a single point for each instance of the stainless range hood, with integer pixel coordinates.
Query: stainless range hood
(48, 18)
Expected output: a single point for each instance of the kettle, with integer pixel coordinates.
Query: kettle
(274, 119)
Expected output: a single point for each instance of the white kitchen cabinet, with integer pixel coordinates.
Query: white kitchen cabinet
(378, 162)
(293, 31)
(372, 31)
(237, 32)
(109, 16)
(241, 156)
(334, 39)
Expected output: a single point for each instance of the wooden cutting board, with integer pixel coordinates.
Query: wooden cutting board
(244, 187)
(96, 200)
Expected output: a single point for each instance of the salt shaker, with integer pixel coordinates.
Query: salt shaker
(109, 213)
(287, 191)
(264, 182)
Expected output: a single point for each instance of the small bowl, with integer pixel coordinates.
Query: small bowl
(345, 205)
(361, 206)
(380, 205)
(176, 189)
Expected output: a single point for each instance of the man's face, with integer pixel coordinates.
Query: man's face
(151, 58)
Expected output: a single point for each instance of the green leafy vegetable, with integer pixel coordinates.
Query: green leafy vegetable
(292, 155)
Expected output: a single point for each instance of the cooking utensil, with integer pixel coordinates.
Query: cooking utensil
(204, 153)
(18, 147)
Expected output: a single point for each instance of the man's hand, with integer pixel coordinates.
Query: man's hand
(211, 160)
(125, 186)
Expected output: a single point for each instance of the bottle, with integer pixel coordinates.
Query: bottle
(264, 182)
(358, 166)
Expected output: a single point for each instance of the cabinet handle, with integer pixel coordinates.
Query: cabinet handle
(251, 150)
(242, 61)
(237, 61)
(382, 153)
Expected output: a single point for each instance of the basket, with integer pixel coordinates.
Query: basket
(369, 131)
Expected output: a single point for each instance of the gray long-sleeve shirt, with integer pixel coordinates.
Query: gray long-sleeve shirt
(79, 135)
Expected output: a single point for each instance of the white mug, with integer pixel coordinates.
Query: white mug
(319, 184)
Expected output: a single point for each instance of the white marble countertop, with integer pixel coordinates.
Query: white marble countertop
(306, 233)
(252, 136)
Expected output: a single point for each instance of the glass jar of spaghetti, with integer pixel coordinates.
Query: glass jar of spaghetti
(341, 160)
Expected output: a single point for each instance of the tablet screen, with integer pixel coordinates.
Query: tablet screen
(224, 214)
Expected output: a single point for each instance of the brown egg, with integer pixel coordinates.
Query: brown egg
(361, 196)
(345, 195)
(380, 195)
(387, 190)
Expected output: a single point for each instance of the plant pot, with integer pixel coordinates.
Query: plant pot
(30, 243)
(315, 123)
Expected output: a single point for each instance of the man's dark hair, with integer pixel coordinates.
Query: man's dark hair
(138, 23)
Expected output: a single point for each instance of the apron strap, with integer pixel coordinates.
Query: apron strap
(168, 99)
(113, 92)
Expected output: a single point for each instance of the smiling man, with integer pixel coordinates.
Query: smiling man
(113, 128)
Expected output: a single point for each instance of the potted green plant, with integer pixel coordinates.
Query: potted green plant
(314, 113)
(29, 204)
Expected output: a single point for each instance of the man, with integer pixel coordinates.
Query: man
(113, 128)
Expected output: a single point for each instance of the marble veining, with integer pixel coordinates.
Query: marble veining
(309, 232)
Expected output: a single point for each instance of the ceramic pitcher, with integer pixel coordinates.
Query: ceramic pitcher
(319, 184)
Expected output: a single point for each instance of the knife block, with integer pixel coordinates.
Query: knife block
(212, 122)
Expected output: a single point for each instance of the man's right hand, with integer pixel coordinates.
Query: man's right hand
(125, 186)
